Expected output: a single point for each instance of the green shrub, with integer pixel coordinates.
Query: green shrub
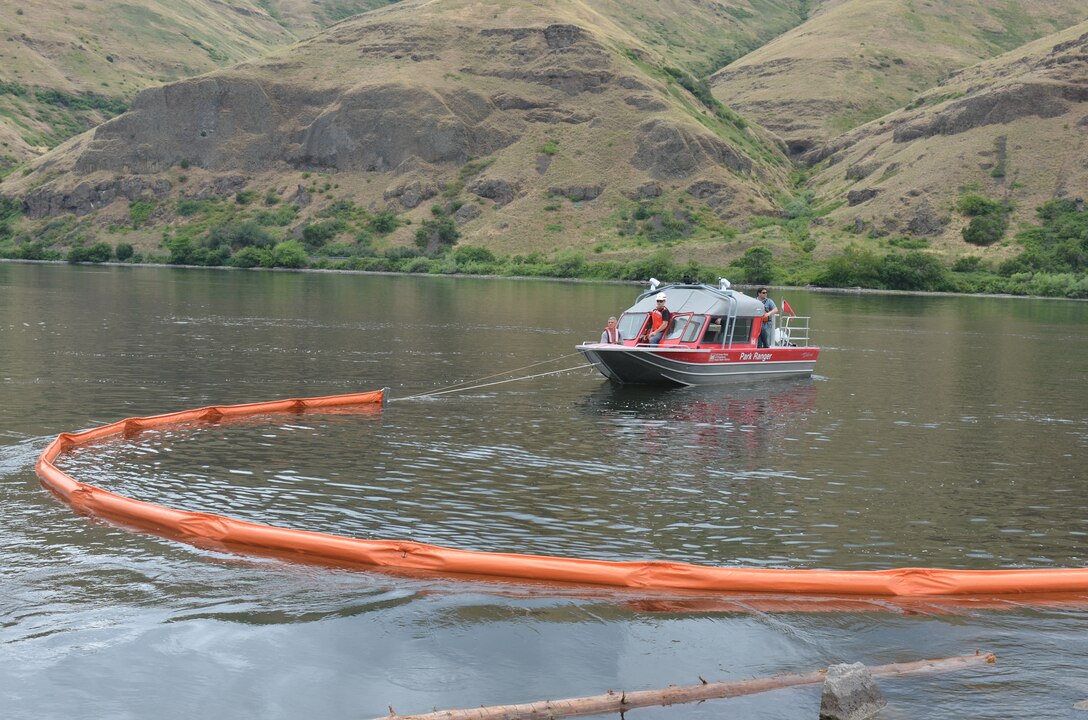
(282, 216)
(417, 265)
(317, 234)
(10, 208)
(384, 222)
(400, 253)
(36, 250)
(856, 267)
(658, 265)
(124, 251)
(912, 271)
(975, 205)
(437, 234)
(967, 263)
(183, 251)
(98, 253)
(238, 235)
(908, 243)
(986, 229)
(250, 257)
(139, 211)
(568, 264)
(289, 254)
(186, 207)
(757, 265)
(245, 197)
(470, 254)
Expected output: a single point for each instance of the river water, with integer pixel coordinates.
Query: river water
(938, 431)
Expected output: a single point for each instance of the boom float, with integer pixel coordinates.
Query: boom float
(222, 533)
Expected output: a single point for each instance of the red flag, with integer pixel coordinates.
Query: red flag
(787, 309)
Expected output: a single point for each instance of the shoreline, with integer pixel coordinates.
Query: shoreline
(391, 273)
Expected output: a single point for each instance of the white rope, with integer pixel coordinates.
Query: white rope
(488, 377)
(497, 382)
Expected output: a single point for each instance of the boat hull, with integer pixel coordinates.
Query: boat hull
(681, 366)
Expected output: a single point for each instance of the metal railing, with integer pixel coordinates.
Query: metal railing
(793, 331)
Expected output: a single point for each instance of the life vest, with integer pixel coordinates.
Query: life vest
(659, 320)
(612, 335)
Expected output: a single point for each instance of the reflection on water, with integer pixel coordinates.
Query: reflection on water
(933, 435)
(738, 423)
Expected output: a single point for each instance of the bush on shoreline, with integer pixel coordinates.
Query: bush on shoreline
(1053, 262)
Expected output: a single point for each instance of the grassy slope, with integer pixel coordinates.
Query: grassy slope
(859, 59)
(586, 154)
(1025, 161)
(848, 51)
(115, 48)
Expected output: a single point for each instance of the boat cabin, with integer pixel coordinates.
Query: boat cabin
(704, 317)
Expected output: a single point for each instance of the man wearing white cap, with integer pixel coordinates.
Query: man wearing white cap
(659, 319)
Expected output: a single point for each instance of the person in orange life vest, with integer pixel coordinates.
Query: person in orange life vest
(769, 310)
(659, 319)
(611, 334)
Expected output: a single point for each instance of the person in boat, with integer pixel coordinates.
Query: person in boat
(659, 319)
(769, 311)
(611, 334)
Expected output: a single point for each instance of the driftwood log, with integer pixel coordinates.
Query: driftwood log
(620, 702)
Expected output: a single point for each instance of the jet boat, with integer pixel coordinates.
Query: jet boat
(712, 338)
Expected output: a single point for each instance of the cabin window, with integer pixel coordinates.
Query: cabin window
(631, 325)
(715, 330)
(677, 326)
(694, 327)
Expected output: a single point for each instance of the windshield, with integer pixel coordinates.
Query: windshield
(631, 325)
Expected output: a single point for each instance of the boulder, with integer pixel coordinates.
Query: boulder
(466, 213)
(857, 197)
(577, 193)
(849, 693)
(501, 191)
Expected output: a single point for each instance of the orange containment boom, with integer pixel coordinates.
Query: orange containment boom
(227, 534)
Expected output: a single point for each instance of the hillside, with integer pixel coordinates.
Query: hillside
(856, 60)
(556, 131)
(65, 67)
(547, 123)
(1013, 129)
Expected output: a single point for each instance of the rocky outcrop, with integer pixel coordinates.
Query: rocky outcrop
(557, 115)
(857, 197)
(213, 123)
(646, 191)
(1000, 106)
(718, 197)
(669, 150)
(577, 193)
(560, 57)
(925, 222)
(646, 103)
(501, 191)
(227, 123)
(412, 192)
(466, 213)
(376, 128)
(860, 171)
(85, 198)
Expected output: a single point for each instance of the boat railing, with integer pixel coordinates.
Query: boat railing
(793, 331)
